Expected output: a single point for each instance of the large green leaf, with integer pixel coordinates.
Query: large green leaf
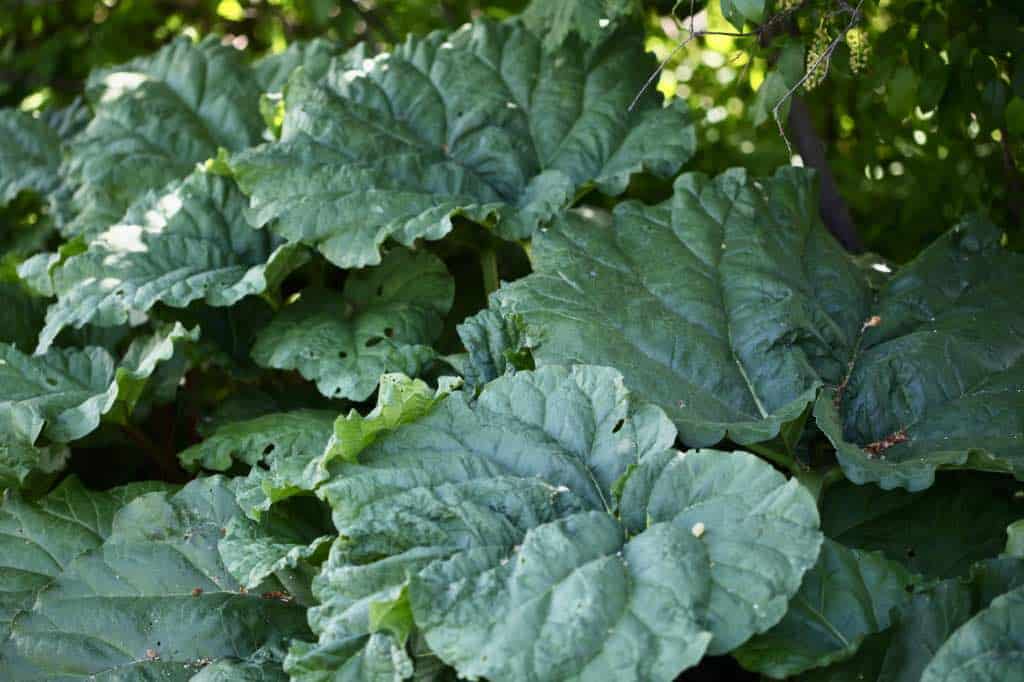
(847, 596)
(384, 321)
(154, 601)
(284, 544)
(156, 117)
(39, 539)
(499, 520)
(922, 626)
(726, 305)
(482, 122)
(189, 243)
(29, 156)
(64, 393)
(283, 449)
(314, 56)
(300, 434)
(493, 343)
(729, 305)
(987, 648)
(591, 20)
(936, 380)
(940, 532)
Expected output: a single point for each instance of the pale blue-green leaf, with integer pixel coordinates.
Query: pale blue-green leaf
(384, 321)
(156, 118)
(482, 122)
(760, 532)
(29, 157)
(186, 244)
(154, 601)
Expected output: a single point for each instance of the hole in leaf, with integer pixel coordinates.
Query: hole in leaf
(380, 290)
(389, 332)
(618, 426)
(342, 354)
(373, 341)
(911, 553)
(267, 450)
(50, 381)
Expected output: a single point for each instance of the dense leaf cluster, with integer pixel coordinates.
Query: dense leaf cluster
(258, 421)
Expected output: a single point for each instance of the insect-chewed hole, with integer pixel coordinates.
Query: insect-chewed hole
(373, 341)
(380, 290)
(911, 553)
(269, 449)
(618, 426)
(342, 354)
(389, 332)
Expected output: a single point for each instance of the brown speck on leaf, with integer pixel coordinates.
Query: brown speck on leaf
(196, 591)
(872, 321)
(444, 148)
(879, 446)
(152, 655)
(223, 532)
(283, 597)
(243, 590)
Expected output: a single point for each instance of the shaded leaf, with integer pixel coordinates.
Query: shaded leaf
(937, 381)
(727, 305)
(384, 321)
(154, 600)
(941, 532)
(847, 596)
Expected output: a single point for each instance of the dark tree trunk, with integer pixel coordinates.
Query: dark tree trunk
(834, 211)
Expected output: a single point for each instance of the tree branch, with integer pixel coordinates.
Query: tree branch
(834, 211)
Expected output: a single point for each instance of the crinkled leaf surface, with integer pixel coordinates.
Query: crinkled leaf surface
(482, 122)
(493, 343)
(848, 595)
(300, 434)
(29, 157)
(154, 601)
(294, 450)
(939, 380)
(64, 393)
(24, 464)
(314, 56)
(940, 532)
(591, 20)
(384, 321)
(726, 305)
(39, 539)
(401, 400)
(284, 544)
(500, 515)
(189, 243)
(156, 117)
(987, 648)
(283, 449)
